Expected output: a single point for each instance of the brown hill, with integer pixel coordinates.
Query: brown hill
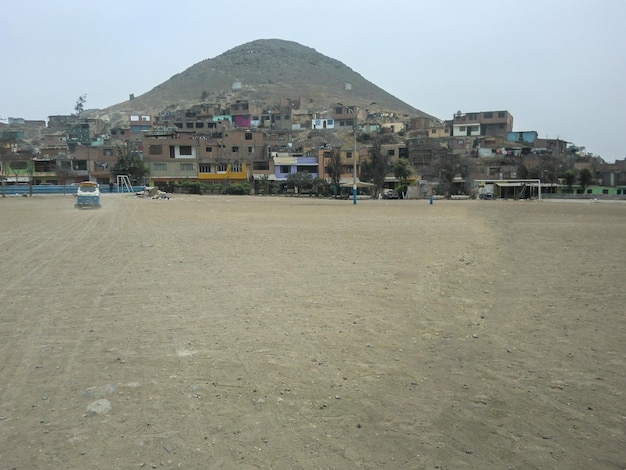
(267, 69)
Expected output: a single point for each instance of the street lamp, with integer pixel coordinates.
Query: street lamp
(354, 190)
(355, 111)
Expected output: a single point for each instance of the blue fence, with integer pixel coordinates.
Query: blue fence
(20, 189)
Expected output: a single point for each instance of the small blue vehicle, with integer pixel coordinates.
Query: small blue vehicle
(88, 195)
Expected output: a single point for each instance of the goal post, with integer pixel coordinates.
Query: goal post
(123, 182)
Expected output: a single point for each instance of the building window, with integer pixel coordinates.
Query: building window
(462, 129)
(107, 152)
(488, 115)
(199, 125)
(235, 167)
(248, 136)
(472, 116)
(155, 150)
(501, 114)
(473, 128)
(391, 152)
(159, 166)
(250, 150)
(284, 168)
(235, 149)
(261, 165)
(186, 167)
(20, 165)
(185, 150)
(204, 168)
(433, 131)
(348, 154)
(222, 167)
(209, 149)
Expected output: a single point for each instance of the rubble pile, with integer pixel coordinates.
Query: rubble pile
(153, 193)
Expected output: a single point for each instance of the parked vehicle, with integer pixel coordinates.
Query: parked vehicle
(390, 194)
(88, 195)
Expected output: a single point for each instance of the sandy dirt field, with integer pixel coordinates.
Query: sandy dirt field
(284, 333)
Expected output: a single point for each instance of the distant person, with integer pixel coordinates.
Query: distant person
(110, 186)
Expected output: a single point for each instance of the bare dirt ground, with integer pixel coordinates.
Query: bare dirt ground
(247, 332)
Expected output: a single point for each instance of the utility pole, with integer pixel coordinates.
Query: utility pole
(355, 112)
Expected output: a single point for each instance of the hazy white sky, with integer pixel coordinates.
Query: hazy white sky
(558, 66)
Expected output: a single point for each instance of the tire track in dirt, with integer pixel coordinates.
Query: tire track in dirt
(260, 332)
(34, 315)
(54, 346)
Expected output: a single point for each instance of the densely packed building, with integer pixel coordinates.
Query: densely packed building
(244, 142)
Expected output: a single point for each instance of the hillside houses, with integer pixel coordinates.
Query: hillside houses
(217, 144)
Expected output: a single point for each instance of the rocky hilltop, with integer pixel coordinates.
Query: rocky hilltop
(264, 71)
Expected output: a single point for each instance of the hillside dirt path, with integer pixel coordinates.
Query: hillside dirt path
(250, 332)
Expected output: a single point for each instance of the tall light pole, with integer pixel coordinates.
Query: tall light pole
(354, 191)
(355, 112)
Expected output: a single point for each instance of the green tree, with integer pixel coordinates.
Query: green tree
(585, 178)
(301, 180)
(378, 165)
(446, 169)
(130, 163)
(402, 169)
(522, 172)
(534, 172)
(262, 185)
(364, 137)
(570, 179)
(80, 105)
(334, 169)
(242, 188)
(550, 172)
(320, 185)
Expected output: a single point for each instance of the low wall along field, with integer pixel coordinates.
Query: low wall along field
(275, 332)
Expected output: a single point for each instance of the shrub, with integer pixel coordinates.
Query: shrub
(238, 188)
